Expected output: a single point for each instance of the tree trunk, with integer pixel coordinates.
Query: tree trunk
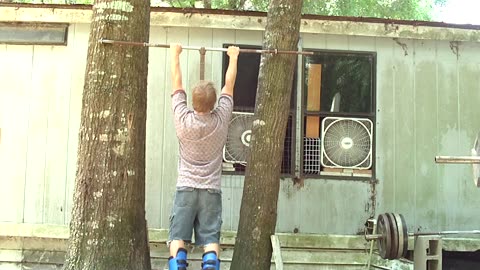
(207, 4)
(258, 214)
(108, 229)
(236, 4)
(232, 4)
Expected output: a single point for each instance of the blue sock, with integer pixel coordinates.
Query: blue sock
(210, 261)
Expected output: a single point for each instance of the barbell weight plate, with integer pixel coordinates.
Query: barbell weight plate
(405, 238)
(384, 242)
(401, 235)
(394, 234)
(381, 240)
(388, 237)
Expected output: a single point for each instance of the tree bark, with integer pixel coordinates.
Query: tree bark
(207, 4)
(236, 4)
(108, 229)
(258, 214)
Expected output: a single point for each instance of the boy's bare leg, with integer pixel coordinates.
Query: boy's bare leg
(211, 257)
(178, 255)
(213, 247)
(174, 246)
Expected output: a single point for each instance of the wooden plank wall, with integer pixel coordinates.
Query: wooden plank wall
(16, 66)
(42, 247)
(41, 100)
(427, 104)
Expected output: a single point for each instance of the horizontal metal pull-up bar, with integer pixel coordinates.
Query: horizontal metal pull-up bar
(459, 160)
(145, 44)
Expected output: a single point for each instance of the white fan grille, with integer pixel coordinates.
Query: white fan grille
(238, 138)
(347, 143)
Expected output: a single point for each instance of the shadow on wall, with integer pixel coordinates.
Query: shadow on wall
(461, 260)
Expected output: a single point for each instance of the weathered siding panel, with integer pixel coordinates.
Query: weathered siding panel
(364, 44)
(37, 134)
(198, 37)
(403, 140)
(435, 113)
(385, 121)
(57, 135)
(47, 136)
(46, 78)
(15, 94)
(289, 206)
(425, 133)
(170, 144)
(78, 42)
(404, 180)
(469, 125)
(448, 139)
(336, 42)
(460, 210)
(314, 41)
(156, 101)
(219, 38)
(232, 191)
(331, 206)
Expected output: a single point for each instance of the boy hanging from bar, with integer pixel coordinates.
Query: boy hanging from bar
(202, 133)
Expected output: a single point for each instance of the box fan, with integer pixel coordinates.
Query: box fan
(238, 138)
(346, 143)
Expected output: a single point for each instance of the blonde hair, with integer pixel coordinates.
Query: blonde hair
(204, 96)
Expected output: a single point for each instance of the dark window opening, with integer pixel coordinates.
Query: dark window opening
(345, 83)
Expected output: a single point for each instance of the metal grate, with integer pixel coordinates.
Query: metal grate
(311, 155)
(287, 148)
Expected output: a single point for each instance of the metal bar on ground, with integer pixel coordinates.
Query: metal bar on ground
(458, 160)
(445, 233)
(375, 236)
(145, 44)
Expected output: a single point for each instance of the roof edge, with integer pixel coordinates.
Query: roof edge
(253, 20)
(263, 14)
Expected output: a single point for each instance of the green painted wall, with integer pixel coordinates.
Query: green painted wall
(428, 105)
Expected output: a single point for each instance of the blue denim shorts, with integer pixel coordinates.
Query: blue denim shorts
(199, 211)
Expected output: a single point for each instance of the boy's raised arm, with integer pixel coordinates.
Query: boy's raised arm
(231, 73)
(175, 51)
